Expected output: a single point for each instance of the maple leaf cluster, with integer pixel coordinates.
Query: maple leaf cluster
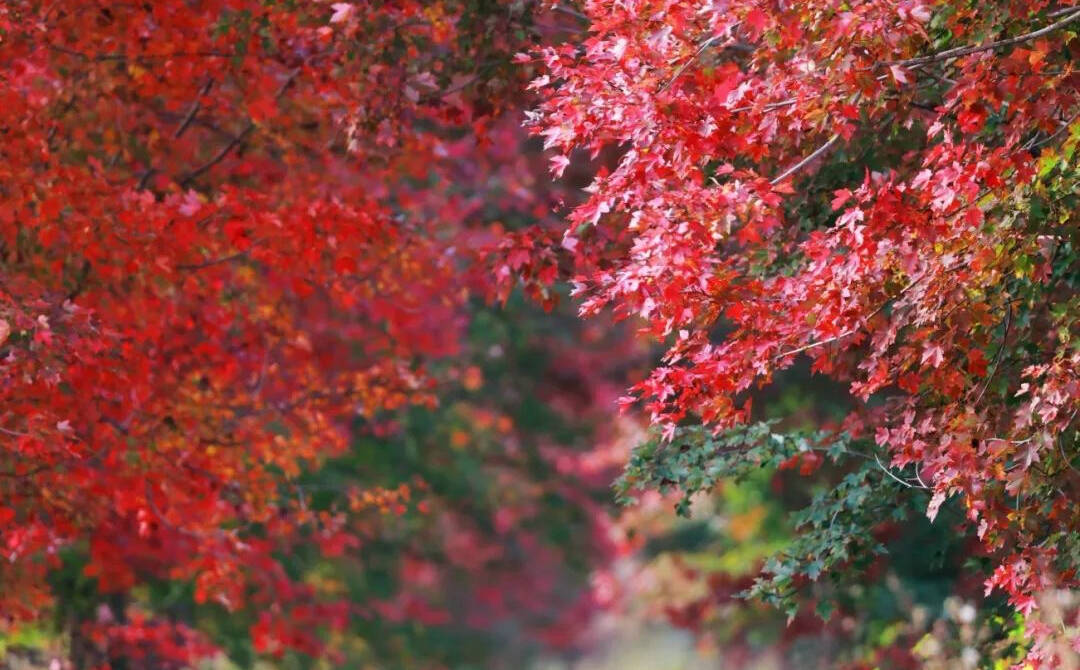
(887, 189)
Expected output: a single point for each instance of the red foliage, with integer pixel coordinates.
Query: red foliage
(220, 245)
(933, 287)
(145, 643)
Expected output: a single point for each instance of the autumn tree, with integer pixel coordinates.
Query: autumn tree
(235, 235)
(886, 190)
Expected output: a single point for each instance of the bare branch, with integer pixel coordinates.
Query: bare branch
(144, 179)
(571, 12)
(1035, 143)
(888, 472)
(768, 107)
(216, 261)
(195, 106)
(682, 68)
(806, 161)
(997, 356)
(219, 156)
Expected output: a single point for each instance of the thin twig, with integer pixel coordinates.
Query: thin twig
(218, 261)
(818, 343)
(1057, 441)
(195, 106)
(144, 179)
(571, 12)
(29, 473)
(768, 106)
(997, 356)
(1050, 138)
(806, 161)
(888, 472)
(850, 331)
(682, 68)
(219, 156)
(101, 58)
(818, 152)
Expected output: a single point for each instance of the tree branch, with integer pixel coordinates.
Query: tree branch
(997, 356)
(806, 161)
(195, 106)
(965, 51)
(219, 156)
(682, 68)
(218, 261)
(853, 330)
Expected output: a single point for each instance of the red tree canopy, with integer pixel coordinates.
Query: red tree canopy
(887, 189)
(228, 230)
